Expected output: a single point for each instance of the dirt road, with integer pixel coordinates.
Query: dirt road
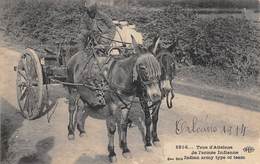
(39, 142)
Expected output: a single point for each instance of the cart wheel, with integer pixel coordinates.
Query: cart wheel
(29, 85)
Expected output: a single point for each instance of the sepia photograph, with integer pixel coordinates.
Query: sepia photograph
(130, 81)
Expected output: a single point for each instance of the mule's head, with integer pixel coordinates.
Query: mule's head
(167, 64)
(147, 74)
(168, 68)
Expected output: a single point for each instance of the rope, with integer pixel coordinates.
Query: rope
(79, 84)
(115, 40)
(169, 104)
(49, 116)
(170, 95)
(86, 85)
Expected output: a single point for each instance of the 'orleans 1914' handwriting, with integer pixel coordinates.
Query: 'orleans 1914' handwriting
(197, 126)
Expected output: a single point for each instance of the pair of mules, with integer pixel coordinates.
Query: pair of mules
(137, 75)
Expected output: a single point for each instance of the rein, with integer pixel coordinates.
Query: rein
(114, 40)
(170, 95)
(169, 102)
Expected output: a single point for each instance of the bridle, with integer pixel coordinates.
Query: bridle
(142, 85)
(145, 83)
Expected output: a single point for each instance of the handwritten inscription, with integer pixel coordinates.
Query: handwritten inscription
(199, 126)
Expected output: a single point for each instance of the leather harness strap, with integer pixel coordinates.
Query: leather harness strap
(109, 83)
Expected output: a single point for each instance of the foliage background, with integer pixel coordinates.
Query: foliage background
(227, 43)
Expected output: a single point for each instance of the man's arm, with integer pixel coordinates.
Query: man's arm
(106, 19)
(86, 24)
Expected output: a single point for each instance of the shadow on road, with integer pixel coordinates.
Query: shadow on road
(136, 115)
(11, 120)
(41, 156)
(50, 99)
(98, 159)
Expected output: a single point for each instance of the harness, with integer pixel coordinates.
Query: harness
(122, 42)
(115, 88)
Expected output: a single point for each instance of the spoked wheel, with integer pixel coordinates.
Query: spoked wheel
(29, 85)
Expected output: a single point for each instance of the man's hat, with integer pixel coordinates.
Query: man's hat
(91, 6)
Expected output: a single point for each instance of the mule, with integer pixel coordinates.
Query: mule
(121, 77)
(151, 112)
(167, 64)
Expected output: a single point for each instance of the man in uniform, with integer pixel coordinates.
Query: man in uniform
(96, 25)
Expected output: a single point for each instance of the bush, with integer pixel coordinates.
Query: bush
(219, 3)
(43, 22)
(228, 43)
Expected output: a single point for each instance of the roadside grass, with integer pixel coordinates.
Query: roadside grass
(228, 43)
(221, 4)
(218, 11)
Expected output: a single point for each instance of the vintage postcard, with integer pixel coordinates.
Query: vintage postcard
(130, 81)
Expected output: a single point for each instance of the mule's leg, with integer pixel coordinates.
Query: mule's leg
(123, 129)
(72, 108)
(71, 121)
(111, 129)
(83, 112)
(155, 121)
(148, 122)
(119, 131)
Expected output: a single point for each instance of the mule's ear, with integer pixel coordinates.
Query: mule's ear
(152, 46)
(134, 44)
(156, 41)
(171, 48)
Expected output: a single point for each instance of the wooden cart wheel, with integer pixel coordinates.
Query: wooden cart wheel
(29, 85)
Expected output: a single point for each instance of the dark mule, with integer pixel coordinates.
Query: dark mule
(167, 64)
(121, 77)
